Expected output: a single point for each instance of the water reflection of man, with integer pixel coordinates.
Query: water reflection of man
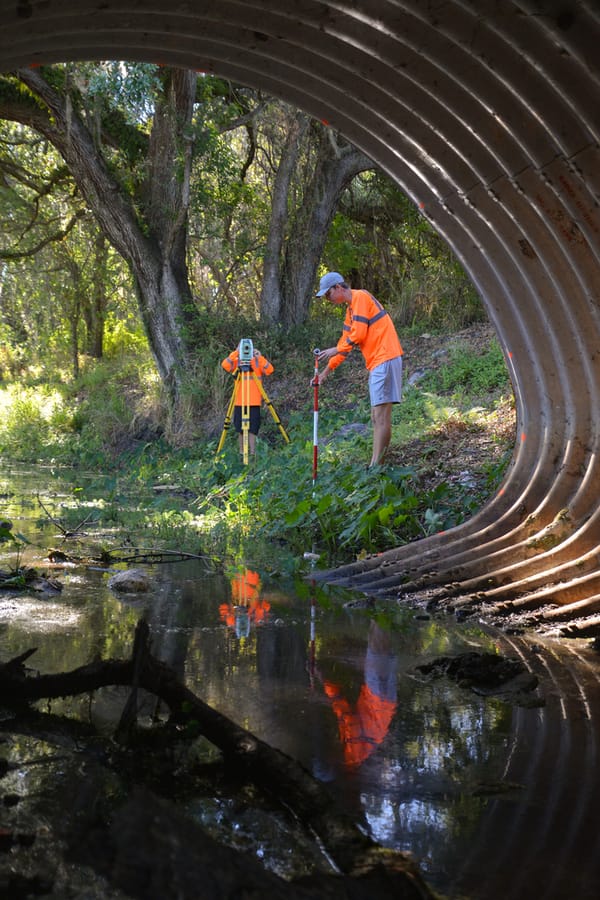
(246, 606)
(364, 727)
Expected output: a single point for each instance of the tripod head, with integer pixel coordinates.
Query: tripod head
(245, 354)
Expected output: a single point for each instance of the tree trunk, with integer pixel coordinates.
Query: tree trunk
(95, 309)
(296, 239)
(152, 239)
(337, 164)
(74, 322)
(271, 295)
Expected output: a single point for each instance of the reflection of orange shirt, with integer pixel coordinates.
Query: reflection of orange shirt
(227, 614)
(245, 591)
(257, 612)
(245, 587)
(364, 728)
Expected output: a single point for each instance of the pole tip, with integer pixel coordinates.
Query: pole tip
(316, 351)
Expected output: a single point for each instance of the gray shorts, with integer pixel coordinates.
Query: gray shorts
(385, 382)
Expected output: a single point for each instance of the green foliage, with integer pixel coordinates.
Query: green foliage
(25, 422)
(131, 86)
(466, 372)
(207, 387)
(380, 241)
(124, 337)
(350, 510)
(50, 302)
(17, 542)
(112, 406)
(60, 279)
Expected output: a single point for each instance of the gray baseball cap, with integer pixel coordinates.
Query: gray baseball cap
(328, 281)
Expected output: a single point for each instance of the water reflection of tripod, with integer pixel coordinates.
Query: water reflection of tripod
(244, 375)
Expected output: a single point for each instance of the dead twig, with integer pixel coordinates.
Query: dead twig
(66, 533)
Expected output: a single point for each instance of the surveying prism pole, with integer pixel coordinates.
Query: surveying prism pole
(316, 353)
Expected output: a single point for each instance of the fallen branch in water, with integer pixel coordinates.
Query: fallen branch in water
(276, 774)
(144, 554)
(137, 554)
(66, 533)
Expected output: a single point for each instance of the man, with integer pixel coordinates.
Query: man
(259, 366)
(370, 328)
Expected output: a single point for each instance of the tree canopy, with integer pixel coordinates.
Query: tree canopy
(140, 192)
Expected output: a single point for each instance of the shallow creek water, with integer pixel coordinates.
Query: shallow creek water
(493, 800)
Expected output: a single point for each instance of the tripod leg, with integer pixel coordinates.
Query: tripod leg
(271, 408)
(227, 422)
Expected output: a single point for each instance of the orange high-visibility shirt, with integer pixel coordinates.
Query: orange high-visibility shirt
(258, 367)
(369, 327)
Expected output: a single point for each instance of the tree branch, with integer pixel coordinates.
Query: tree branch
(50, 239)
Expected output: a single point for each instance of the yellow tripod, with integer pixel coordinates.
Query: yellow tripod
(246, 370)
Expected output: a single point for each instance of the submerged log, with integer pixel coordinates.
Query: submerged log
(273, 772)
(151, 848)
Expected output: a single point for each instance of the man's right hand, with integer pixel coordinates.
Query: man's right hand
(327, 354)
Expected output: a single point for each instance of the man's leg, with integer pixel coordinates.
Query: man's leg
(381, 417)
(254, 428)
